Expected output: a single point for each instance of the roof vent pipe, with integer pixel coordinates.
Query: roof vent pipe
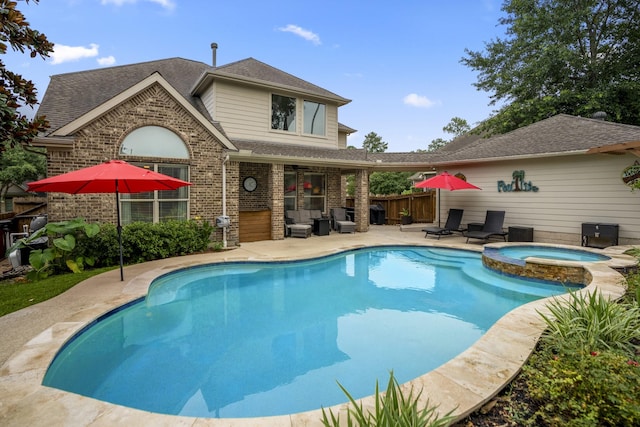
(214, 48)
(599, 115)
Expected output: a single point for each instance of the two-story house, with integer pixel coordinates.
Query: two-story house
(255, 141)
(252, 139)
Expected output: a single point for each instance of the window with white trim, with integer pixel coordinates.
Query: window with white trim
(315, 118)
(156, 206)
(283, 113)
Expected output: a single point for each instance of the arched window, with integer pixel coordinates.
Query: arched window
(154, 141)
(156, 206)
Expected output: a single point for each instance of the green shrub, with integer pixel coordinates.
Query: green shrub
(586, 372)
(103, 247)
(584, 389)
(592, 322)
(633, 288)
(392, 409)
(146, 241)
(143, 241)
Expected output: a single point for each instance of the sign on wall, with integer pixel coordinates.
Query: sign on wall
(631, 175)
(517, 184)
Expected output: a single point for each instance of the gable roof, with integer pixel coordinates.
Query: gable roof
(253, 72)
(155, 78)
(557, 135)
(72, 95)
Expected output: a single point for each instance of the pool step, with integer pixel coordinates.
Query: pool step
(435, 259)
(488, 278)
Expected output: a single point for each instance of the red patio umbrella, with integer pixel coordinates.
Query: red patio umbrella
(447, 182)
(114, 176)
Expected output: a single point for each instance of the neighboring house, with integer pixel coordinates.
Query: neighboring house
(13, 191)
(255, 141)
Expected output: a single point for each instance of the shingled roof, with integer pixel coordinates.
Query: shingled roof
(556, 135)
(71, 95)
(251, 70)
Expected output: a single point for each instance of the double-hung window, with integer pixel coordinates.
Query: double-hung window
(157, 206)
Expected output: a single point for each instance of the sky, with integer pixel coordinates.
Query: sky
(397, 61)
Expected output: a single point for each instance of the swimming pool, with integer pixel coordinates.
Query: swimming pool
(254, 339)
(548, 252)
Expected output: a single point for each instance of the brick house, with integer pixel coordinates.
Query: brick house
(217, 127)
(255, 141)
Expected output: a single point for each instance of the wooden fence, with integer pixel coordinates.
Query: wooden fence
(421, 206)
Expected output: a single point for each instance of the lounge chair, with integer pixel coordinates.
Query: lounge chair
(453, 224)
(492, 227)
(340, 222)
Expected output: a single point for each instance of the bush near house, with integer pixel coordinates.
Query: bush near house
(144, 241)
(75, 244)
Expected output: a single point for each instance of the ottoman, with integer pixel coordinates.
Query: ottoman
(300, 230)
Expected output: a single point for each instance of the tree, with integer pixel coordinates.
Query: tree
(437, 144)
(389, 182)
(561, 56)
(374, 143)
(18, 165)
(456, 126)
(15, 91)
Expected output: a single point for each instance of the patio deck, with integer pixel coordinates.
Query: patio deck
(32, 336)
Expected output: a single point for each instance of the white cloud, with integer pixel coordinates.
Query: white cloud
(106, 61)
(62, 53)
(299, 31)
(166, 4)
(416, 100)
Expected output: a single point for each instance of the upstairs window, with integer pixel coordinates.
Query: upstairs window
(283, 113)
(314, 118)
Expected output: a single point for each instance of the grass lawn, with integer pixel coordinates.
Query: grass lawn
(16, 294)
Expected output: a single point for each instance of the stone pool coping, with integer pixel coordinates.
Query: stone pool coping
(463, 384)
(552, 270)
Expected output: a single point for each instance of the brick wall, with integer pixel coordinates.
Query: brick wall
(100, 141)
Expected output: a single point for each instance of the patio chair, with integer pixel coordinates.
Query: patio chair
(492, 227)
(453, 224)
(340, 222)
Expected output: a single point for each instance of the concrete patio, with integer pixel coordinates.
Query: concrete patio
(32, 336)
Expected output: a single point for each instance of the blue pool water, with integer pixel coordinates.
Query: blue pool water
(547, 252)
(259, 339)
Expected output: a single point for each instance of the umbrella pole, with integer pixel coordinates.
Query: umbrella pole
(438, 208)
(119, 227)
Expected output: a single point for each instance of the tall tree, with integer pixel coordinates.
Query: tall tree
(374, 143)
(18, 165)
(457, 126)
(561, 56)
(15, 91)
